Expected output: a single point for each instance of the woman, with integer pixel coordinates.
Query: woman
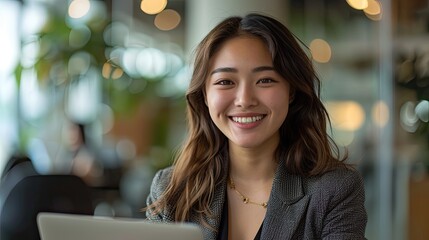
(258, 163)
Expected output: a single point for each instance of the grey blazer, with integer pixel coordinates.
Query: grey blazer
(330, 206)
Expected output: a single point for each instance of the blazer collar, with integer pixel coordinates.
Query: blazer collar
(286, 207)
(287, 188)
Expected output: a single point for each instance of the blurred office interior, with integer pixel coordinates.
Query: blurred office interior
(95, 89)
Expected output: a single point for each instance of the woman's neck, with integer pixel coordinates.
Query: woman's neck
(251, 164)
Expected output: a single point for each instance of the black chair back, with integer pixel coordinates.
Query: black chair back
(41, 193)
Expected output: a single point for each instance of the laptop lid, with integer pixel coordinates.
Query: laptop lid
(59, 226)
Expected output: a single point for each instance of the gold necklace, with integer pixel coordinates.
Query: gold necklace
(245, 199)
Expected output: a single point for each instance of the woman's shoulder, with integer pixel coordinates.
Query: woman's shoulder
(338, 198)
(164, 172)
(341, 179)
(161, 180)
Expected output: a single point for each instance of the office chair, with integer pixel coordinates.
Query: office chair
(41, 193)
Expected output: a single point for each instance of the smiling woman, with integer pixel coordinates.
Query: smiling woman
(247, 99)
(258, 162)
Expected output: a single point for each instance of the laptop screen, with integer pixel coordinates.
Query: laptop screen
(55, 226)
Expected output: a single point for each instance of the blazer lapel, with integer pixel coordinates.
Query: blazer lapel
(216, 208)
(286, 207)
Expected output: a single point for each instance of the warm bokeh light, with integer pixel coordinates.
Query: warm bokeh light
(79, 8)
(111, 72)
(358, 4)
(346, 115)
(380, 114)
(167, 20)
(153, 6)
(374, 7)
(320, 50)
(117, 73)
(374, 17)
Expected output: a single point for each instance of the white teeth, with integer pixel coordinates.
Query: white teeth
(246, 119)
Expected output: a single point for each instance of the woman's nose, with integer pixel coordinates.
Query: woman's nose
(246, 97)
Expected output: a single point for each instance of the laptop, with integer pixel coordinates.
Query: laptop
(60, 226)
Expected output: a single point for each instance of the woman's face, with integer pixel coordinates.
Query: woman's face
(247, 99)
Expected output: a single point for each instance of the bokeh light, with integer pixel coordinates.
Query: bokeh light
(79, 8)
(376, 17)
(10, 45)
(153, 6)
(79, 36)
(29, 53)
(107, 118)
(129, 61)
(116, 34)
(151, 63)
(320, 50)
(79, 63)
(346, 115)
(422, 110)
(83, 96)
(358, 4)
(115, 55)
(91, 13)
(7, 90)
(374, 7)
(175, 85)
(167, 20)
(380, 114)
(34, 18)
(110, 71)
(33, 101)
(409, 119)
(374, 10)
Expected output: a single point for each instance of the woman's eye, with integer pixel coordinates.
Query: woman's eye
(223, 82)
(266, 80)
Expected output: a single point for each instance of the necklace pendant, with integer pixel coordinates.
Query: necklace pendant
(245, 199)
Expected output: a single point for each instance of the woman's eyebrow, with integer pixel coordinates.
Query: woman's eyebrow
(263, 68)
(224, 69)
(234, 70)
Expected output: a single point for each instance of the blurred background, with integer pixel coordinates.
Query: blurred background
(95, 90)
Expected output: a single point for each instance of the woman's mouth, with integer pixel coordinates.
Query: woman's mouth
(246, 120)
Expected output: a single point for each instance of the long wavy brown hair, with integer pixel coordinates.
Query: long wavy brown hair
(304, 145)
